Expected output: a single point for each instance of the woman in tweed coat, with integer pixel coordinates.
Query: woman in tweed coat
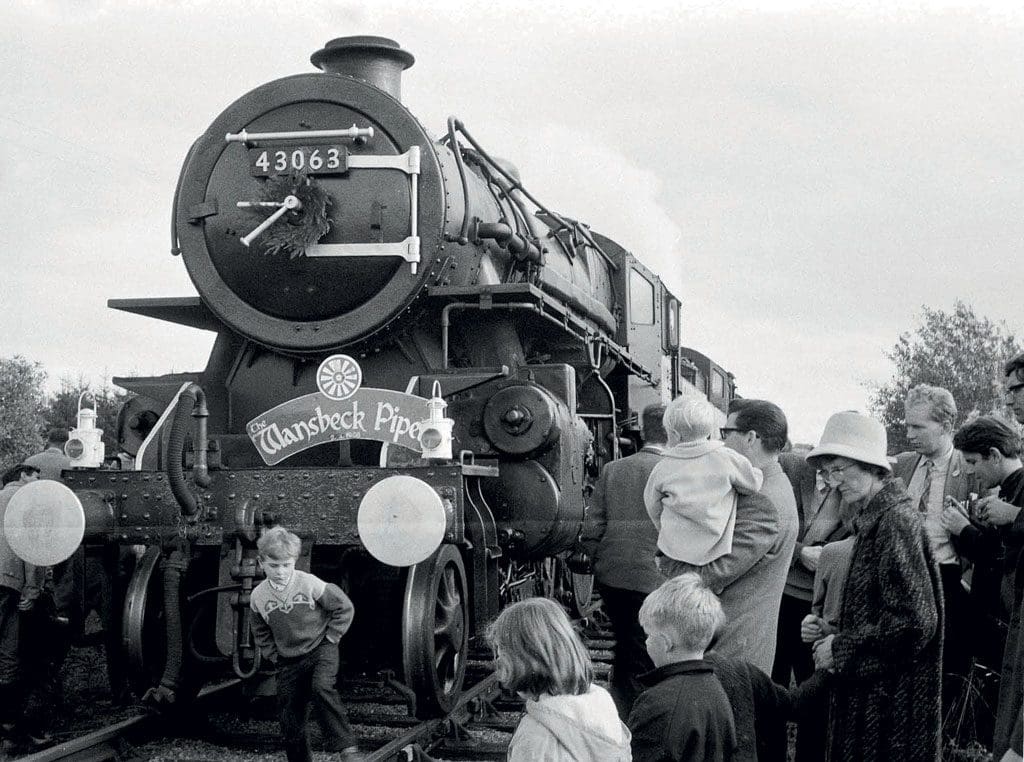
(887, 653)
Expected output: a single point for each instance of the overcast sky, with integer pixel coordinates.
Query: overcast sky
(805, 176)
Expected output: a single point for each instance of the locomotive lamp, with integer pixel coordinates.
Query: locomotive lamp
(85, 443)
(436, 432)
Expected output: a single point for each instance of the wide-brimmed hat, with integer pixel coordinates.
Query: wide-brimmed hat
(854, 436)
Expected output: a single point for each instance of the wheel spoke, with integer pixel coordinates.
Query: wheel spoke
(435, 630)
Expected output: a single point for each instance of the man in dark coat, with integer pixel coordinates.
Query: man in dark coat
(623, 540)
(991, 452)
(1005, 512)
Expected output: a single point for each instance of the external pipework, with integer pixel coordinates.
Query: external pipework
(375, 60)
(166, 693)
(191, 403)
(245, 571)
(521, 248)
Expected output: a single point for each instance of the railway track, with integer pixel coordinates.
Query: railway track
(478, 728)
(114, 741)
(136, 738)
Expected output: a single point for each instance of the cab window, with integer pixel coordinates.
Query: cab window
(717, 384)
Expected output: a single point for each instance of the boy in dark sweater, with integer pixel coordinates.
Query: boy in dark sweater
(298, 622)
(685, 714)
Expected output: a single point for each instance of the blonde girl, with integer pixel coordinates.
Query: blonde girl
(540, 656)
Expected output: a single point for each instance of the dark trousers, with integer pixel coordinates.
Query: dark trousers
(44, 647)
(305, 680)
(10, 662)
(956, 652)
(630, 659)
(794, 660)
(83, 584)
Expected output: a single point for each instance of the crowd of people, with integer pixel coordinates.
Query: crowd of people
(873, 600)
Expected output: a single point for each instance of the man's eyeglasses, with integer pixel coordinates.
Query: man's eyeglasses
(726, 430)
(833, 475)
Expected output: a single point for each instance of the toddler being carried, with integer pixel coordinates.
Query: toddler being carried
(691, 494)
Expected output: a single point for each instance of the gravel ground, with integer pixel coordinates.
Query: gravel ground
(87, 706)
(86, 703)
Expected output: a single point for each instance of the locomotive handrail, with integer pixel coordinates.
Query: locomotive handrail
(175, 247)
(446, 321)
(453, 124)
(352, 132)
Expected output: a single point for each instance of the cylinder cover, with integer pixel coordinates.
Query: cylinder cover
(521, 419)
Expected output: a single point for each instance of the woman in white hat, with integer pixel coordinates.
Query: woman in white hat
(886, 653)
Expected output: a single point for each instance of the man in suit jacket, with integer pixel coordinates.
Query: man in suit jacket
(749, 579)
(931, 472)
(623, 540)
(758, 430)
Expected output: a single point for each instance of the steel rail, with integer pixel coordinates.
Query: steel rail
(102, 744)
(429, 732)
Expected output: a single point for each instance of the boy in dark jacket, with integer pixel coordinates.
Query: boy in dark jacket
(685, 714)
(298, 622)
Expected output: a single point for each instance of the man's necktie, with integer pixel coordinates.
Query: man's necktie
(926, 487)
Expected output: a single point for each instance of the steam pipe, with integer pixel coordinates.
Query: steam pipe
(191, 402)
(522, 248)
(166, 692)
(514, 184)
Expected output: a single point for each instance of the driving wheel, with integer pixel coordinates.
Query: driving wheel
(143, 636)
(581, 587)
(435, 633)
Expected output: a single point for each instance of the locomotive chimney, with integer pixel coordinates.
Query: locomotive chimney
(376, 60)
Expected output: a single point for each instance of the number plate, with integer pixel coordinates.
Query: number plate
(312, 160)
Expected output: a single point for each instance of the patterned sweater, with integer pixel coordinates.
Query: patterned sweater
(294, 621)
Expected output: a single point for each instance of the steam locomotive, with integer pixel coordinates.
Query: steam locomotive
(418, 368)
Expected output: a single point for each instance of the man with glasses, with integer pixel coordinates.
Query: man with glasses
(758, 429)
(1007, 514)
(751, 577)
(933, 471)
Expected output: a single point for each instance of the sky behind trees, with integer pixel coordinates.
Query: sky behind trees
(805, 176)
